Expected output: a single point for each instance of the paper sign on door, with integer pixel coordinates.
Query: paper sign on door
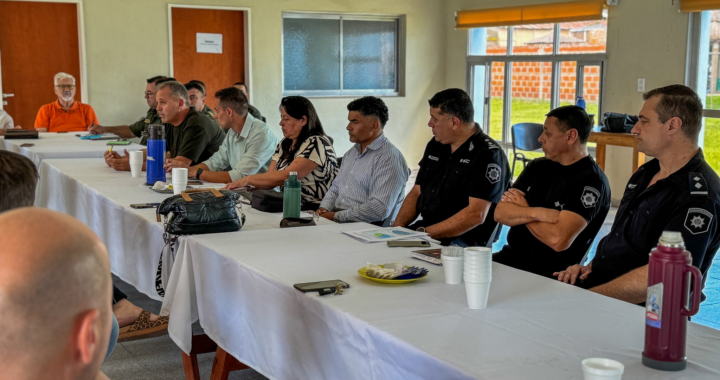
(209, 43)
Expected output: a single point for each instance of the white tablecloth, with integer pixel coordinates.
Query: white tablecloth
(240, 288)
(61, 145)
(101, 197)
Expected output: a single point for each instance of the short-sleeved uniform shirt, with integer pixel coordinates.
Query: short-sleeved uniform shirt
(687, 201)
(207, 111)
(196, 138)
(76, 119)
(581, 188)
(319, 150)
(447, 180)
(140, 127)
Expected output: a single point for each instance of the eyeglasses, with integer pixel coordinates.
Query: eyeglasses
(148, 93)
(65, 86)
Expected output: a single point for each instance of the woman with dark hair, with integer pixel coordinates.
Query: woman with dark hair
(306, 149)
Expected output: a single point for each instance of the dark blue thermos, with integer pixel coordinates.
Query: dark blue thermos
(155, 154)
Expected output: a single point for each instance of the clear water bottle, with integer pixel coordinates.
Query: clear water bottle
(291, 196)
(580, 102)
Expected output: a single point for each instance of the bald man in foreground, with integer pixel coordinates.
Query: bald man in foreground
(55, 298)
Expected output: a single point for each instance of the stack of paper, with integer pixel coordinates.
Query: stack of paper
(377, 235)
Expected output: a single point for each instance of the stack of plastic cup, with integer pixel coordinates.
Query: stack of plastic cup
(452, 261)
(477, 275)
(602, 369)
(136, 163)
(179, 180)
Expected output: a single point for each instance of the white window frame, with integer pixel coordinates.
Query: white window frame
(598, 59)
(399, 54)
(696, 69)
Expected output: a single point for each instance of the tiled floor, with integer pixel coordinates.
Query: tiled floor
(159, 358)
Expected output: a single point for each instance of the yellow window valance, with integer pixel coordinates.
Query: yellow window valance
(699, 5)
(584, 10)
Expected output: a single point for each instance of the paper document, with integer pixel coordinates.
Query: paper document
(209, 43)
(376, 235)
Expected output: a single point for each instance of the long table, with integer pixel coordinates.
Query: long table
(101, 197)
(60, 145)
(239, 286)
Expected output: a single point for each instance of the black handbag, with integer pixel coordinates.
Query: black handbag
(203, 212)
(267, 200)
(618, 122)
(192, 212)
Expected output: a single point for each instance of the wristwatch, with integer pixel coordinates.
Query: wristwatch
(421, 229)
(199, 171)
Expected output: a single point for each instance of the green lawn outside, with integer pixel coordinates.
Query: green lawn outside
(534, 112)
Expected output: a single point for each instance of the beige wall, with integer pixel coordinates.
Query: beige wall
(646, 39)
(127, 42)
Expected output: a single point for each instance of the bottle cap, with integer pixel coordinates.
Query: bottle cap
(671, 239)
(293, 173)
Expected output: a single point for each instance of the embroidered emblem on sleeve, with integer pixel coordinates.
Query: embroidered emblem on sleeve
(697, 220)
(493, 173)
(590, 197)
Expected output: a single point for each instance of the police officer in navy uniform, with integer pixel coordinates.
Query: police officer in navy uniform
(558, 204)
(676, 191)
(463, 174)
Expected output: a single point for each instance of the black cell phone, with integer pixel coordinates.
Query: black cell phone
(194, 181)
(408, 243)
(318, 285)
(27, 145)
(145, 205)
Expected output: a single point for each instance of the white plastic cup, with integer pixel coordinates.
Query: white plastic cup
(602, 369)
(477, 294)
(453, 267)
(179, 180)
(136, 163)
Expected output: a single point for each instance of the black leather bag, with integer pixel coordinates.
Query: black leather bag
(267, 200)
(195, 212)
(201, 212)
(618, 122)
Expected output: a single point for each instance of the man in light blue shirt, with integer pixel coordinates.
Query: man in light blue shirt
(247, 148)
(371, 184)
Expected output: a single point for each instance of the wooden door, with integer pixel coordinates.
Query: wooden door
(37, 40)
(215, 70)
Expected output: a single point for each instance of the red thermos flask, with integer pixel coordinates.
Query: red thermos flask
(667, 310)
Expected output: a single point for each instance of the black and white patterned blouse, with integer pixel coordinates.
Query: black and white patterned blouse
(319, 150)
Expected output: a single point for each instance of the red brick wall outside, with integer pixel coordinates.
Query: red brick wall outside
(532, 80)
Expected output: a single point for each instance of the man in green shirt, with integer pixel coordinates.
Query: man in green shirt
(247, 149)
(190, 136)
(253, 111)
(196, 97)
(138, 128)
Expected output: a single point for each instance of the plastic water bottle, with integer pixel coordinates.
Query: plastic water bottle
(580, 102)
(667, 305)
(155, 154)
(291, 197)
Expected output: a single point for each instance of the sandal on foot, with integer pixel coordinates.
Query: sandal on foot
(144, 328)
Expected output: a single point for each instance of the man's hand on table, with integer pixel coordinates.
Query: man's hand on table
(329, 215)
(117, 161)
(573, 272)
(96, 129)
(172, 163)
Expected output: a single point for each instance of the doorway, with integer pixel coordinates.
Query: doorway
(38, 40)
(210, 45)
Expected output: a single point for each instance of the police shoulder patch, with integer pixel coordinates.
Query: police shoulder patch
(493, 173)
(697, 220)
(590, 197)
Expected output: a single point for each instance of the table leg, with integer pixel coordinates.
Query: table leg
(600, 155)
(201, 344)
(223, 364)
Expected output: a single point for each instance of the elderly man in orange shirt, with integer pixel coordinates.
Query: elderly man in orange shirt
(66, 114)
